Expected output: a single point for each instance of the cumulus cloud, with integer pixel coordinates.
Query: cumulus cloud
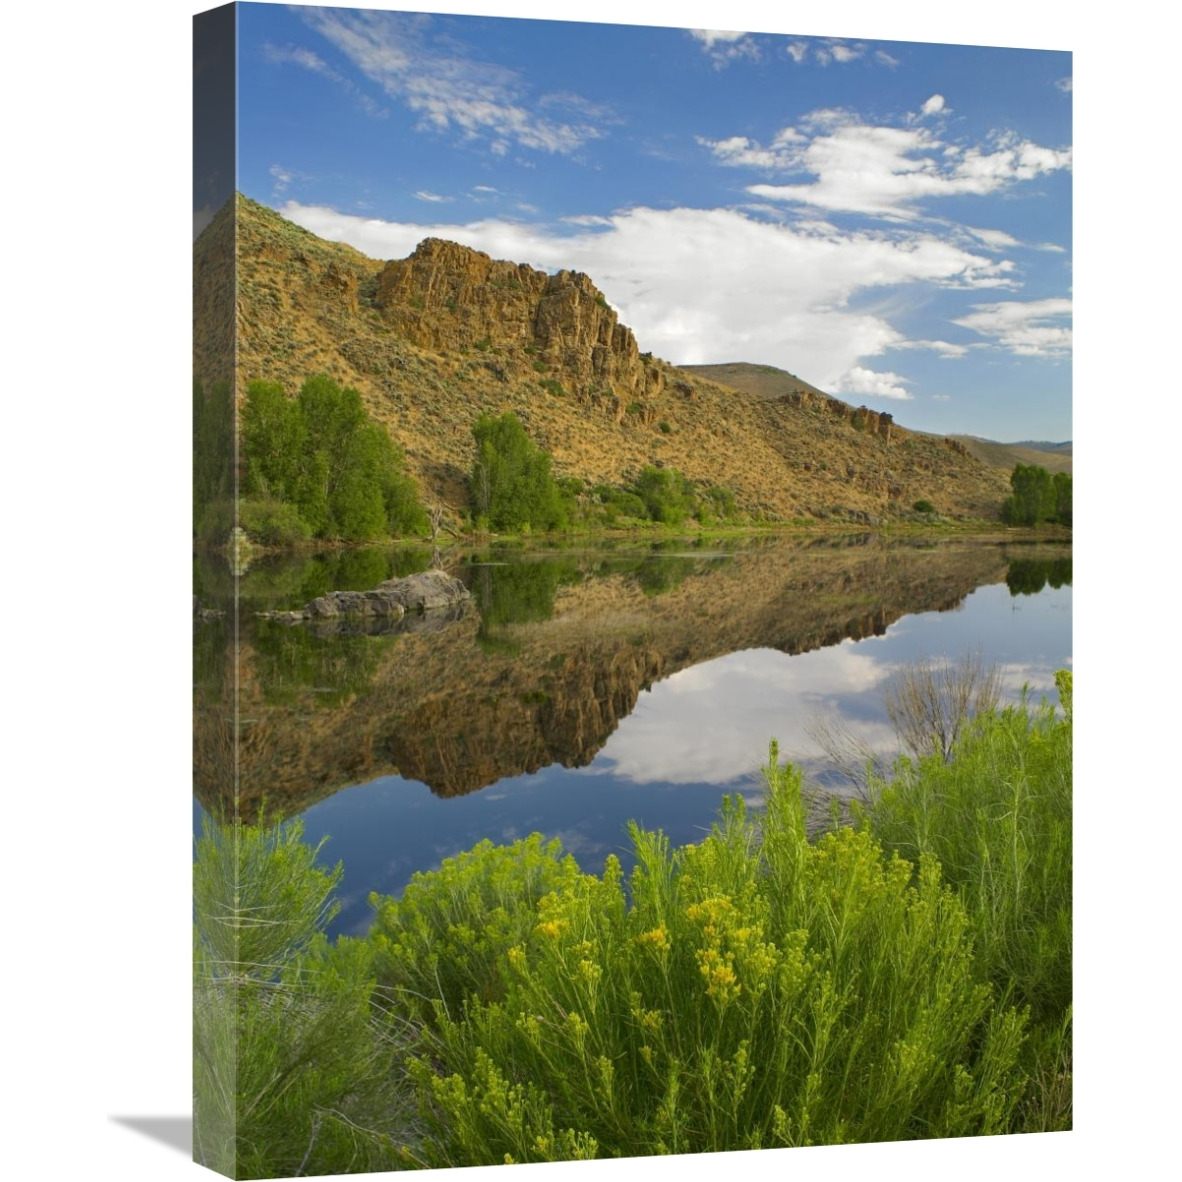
(449, 91)
(1064, 84)
(933, 106)
(866, 382)
(1034, 328)
(881, 170)
(702, 286)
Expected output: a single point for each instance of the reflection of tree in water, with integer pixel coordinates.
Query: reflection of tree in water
(1028, 576)
(289, 661)
(287, 581)
(210, 655)
(516, 593)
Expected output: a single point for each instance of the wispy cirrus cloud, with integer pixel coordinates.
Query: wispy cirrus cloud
(450, 90)
(884, 171)
(1031, 328)
(709, 285)
(299, 55)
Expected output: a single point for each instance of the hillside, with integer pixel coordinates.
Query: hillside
(1054, 457)
(433, 340)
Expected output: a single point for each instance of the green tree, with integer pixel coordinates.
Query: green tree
(213, 448)
(511, 483)
(321, 453)
(1062, 490)
(1033, 496)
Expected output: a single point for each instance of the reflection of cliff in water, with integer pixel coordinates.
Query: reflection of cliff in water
(544, 671)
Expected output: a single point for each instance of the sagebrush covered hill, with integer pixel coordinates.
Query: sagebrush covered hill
(434, 340)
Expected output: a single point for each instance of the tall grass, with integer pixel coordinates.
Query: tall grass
(997, 816)
(294, 1072)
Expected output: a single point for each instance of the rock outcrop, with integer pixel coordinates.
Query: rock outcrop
(449, 297)
(429, 591)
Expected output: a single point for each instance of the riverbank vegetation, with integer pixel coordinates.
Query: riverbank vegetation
(312, 466)
(1038, 497)
(907, 975)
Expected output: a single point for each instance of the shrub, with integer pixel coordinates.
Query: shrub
(665, 493)
(272, 523)
(924, 507)
(750, 991)
(664, 426)
(998, 817)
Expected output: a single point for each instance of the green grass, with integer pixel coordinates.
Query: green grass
(293, 1070)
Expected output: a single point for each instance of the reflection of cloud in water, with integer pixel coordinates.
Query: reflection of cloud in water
(1037, 679)
(712, 723)
(582, 845)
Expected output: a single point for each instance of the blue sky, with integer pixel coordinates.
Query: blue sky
(889, 220)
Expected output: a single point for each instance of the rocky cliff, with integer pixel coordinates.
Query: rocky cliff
(435, 339)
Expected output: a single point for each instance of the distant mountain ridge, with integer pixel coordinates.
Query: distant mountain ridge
(436, 339)
(1055, 457)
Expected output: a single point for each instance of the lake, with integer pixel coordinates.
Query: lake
(582, 688)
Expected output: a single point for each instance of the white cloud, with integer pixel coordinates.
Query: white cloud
(845, 53)
(1064, 84)
(701, 286)
(798, 50)
(449, 91)
(880, 170)
(424, 195)
(933, 106)
(724, 47)
(712, 37)
(885, 58)
(945, 349)
(997, 239)
(1035, 328)
(865, 382)
(712, 723)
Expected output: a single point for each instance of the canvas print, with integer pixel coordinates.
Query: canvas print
(632, 590)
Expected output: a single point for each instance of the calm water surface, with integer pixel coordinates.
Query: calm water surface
(581, 690)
